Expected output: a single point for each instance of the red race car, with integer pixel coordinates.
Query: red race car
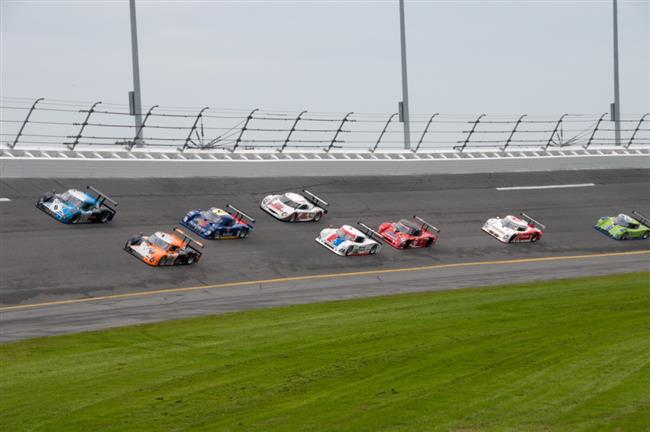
(415, 233)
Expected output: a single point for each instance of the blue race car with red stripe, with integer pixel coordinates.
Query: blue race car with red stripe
(218, 224)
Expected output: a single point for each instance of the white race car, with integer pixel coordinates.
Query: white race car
(349, 241)
(513, 229)
(293, 207)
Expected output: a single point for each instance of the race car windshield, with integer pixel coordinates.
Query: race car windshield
(621, 220)
(288, 202)
(71, 200)
(218, 219)
(407, 228)
(509, 224)
(158, 242)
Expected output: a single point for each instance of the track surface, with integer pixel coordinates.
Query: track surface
(45, 261)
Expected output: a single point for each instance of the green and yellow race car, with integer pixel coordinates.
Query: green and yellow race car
(624, 227)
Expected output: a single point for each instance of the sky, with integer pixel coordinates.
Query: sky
(463, 56)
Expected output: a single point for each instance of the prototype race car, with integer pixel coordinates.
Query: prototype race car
(218, 224)
(163, 249)
(293, 207)
(348, 241)
(513, 229)
(624, 227)
(75, 206)
(415, 233)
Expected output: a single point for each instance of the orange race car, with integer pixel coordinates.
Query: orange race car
(163, 249)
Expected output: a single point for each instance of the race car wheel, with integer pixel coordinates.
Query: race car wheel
(293, 217)
(373, 250)
(407, 244)
(74, 219)
(645, 235)
(534, 238)
(348, 251)
(624, 236)
(190, 260)
(105, 217)
(317, 216)
(513, 238)
(133, 241)
(47, 197)
(243, 234)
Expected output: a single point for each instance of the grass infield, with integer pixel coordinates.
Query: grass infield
(568, 355)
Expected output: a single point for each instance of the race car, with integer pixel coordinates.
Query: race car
(403, 234)
(349, 241)
(218, 224)
(293, 207)
(514, 229)
(163, 249)
(624, 227)
(75, 206)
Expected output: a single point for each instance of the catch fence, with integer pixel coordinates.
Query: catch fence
(56, 123)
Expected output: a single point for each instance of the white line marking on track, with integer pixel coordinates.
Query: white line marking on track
(579, 185)
(4, 200)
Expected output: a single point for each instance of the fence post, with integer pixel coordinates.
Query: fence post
(137, 136)
(338, 131)
(505, 146)
(293, 128)
(383, 132)
(557, 126)
(243, 129)
(72, 145)
(638, 126)
(196, 121)
(469, 135)
(20, 132)
(426, 129)
(593, 133)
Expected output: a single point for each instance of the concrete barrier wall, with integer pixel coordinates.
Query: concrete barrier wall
(109, 168)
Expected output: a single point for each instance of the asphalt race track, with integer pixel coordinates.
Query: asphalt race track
(51, 270)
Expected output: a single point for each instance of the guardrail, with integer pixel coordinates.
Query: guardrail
(112, 162)
(67, 125)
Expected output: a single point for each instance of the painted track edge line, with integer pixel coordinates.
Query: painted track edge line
(560, 186)
(316, 277)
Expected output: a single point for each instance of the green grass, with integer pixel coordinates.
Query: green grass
(571, 355)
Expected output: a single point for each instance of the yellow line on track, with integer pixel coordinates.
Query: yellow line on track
(318, 276)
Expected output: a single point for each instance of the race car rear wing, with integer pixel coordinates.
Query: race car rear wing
(102, 198)
(638, 216)
(189, 241)
(371, 233)
(426, 226)
(317, 201)
(238, 214)
(533, 221)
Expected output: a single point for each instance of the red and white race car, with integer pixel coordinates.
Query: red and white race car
(293, 207)
(403, 234)
(514, 229)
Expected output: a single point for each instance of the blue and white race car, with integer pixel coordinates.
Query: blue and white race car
(75, 206)
(217, 224)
